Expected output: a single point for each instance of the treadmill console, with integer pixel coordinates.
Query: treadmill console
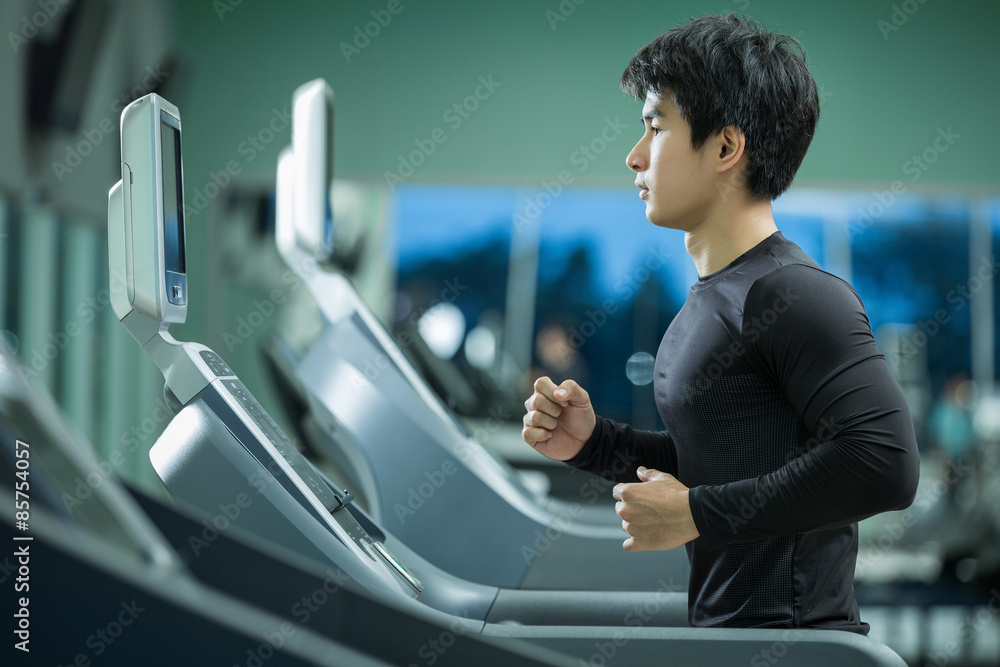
(237, 440)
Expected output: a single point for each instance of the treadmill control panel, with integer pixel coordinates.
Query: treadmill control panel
(216, 364)
(332, 500)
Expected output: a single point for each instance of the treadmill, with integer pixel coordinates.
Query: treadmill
(120, 578)
(417, 466)
(100, 582)
(223, 457)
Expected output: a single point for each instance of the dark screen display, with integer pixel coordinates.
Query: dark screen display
(173, 203)
(328, 180)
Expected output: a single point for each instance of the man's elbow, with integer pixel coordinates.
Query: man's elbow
(904, 496)
(900, 483)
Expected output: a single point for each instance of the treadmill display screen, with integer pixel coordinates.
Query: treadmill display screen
(328, 180)
(173, 201)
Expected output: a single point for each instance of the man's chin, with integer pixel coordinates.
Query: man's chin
(659, 220)
(651, 214)
(676, 226)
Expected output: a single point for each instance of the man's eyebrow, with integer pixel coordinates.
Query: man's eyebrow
(652, 114)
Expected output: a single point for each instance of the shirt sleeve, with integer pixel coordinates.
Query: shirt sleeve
(862, 458)
(614, 451)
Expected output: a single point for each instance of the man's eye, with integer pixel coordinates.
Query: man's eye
(656, 130)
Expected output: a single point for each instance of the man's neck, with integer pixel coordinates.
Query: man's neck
(726, 234)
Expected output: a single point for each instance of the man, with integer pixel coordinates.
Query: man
(784, 426)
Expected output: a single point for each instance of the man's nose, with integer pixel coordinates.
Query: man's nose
(635, 160)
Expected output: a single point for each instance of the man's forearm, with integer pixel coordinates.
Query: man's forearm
(614, 451)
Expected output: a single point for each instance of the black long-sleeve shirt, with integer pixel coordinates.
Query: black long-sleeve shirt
(782, 417)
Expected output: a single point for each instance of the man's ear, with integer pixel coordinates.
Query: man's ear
(731, 143)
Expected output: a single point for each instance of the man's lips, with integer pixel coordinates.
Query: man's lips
(643, 190)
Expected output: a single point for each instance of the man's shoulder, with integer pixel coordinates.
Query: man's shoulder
(805, 278)
(779, 266)
(798, 301)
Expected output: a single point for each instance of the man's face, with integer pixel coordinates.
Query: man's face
(675, 181)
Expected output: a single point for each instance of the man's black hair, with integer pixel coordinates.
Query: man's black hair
(728, 70)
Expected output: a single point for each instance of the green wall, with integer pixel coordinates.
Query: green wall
(887, 97)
